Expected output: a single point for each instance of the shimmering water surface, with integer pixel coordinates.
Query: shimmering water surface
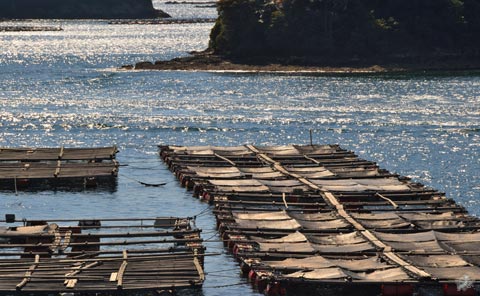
(62, 88)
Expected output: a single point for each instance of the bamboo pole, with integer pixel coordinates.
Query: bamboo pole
(28, 274)
(98, 235)
(92, 244)
(142, 251)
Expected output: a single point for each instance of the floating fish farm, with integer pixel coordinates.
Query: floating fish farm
(106, 256)
(319, 220)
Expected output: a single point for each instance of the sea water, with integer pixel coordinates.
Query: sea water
(65, 88)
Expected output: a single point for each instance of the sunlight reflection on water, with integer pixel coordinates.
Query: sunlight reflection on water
(63, 88)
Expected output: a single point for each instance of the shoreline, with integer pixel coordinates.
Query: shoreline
(208, 62)
(162, 21)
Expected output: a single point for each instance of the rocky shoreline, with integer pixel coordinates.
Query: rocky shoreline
(206, 61)
(165, 21)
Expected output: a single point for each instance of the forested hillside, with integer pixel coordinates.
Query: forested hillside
(72, 9)
(348, 29)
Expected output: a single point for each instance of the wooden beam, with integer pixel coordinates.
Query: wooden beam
(121, 271)
(28, 273)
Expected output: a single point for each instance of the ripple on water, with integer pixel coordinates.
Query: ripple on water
(56, 88)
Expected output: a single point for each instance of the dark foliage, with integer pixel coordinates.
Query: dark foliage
(348, 29)
(72, 9)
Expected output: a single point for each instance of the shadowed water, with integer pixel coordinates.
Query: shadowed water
(63, 88)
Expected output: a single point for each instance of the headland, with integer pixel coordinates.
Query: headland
(337, 36)
(74, 9)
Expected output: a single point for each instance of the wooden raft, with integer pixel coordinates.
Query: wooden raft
(43, 167)
(99, 256)
(309, 218)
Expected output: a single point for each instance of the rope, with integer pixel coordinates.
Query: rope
(231, 269)
(202, 212)
(210, 238)
(213, 241)
(209, 231)
(219, 248)
(146, 184)
(223, 286)
(226, 276)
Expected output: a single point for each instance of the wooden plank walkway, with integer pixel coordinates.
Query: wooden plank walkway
(99, 256)
(317, 218)
(41, 167)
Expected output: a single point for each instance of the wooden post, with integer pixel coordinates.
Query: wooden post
(198, 266)
(60, 155)
(284, 200)
(311, 138)
(15, 184)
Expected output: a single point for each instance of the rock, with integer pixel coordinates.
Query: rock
(162, 14)
(144, 65)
